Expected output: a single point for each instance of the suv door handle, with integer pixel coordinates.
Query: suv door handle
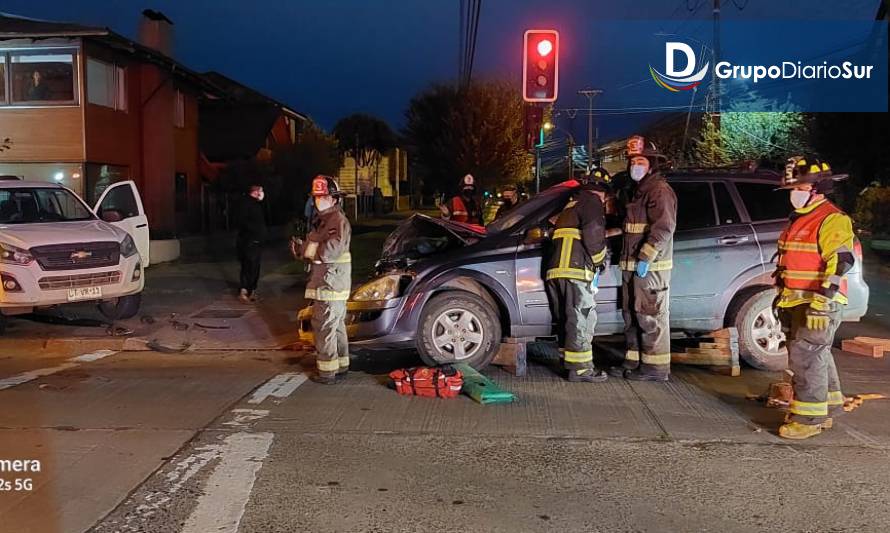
(732, 240)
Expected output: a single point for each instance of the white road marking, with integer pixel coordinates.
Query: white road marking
(243, 417)
(281, 386)
(31, 375)
(93, 356)
(228, 489)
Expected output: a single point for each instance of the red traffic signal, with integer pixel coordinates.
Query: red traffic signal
(540, 65)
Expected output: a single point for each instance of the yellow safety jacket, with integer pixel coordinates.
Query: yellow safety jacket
(809, 250)
(579, 241)
(330, 274)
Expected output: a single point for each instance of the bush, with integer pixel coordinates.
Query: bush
(873, 210)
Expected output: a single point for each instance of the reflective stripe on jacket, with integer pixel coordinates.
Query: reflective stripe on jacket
(460, 212)
(579, 241)
(330, 274)
(808, 254)
(649, 225)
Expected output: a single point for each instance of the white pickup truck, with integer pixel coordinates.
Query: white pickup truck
(55, 250)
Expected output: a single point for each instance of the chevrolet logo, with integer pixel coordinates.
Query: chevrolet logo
(81, 255)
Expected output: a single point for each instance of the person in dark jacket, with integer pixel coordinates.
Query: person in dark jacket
(251, 234)
(578, 257)
(646, 262)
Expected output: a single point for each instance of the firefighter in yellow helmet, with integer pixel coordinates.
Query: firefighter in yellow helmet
(578, 257)
(815, 253)
(646, 263)
(330, 278)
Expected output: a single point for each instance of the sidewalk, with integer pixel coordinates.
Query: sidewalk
(191, 304)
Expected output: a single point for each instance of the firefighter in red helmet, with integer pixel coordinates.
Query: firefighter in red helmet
(330, 279)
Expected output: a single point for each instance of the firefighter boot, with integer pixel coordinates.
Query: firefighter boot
(587, 375)
(798, 431)
(639, 375)
(324, 380)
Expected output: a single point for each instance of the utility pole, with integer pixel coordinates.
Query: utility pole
(716, 82)
(590, 94)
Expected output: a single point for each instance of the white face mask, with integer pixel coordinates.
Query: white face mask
(799, 199)
(638, 172)
(323, 204)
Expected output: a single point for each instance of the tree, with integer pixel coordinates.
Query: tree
(365, 139)
(477, 130)
(315, 152)
(748, 133)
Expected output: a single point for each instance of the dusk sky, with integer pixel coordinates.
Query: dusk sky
(331, 58)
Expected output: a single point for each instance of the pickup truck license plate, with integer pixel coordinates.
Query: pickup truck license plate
(84, 293)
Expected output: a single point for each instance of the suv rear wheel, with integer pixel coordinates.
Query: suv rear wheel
(458, 327)
(761, 341)
(121, 308)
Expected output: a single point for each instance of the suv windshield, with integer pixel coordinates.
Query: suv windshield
(41, 204)
(528, 208)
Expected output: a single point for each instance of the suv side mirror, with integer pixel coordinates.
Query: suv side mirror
(111, 215)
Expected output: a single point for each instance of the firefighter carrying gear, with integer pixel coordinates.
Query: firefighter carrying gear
(579, 252)
(649, 225)
(815, 253)
(330, 280)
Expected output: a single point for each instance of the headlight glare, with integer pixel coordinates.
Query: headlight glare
(14, 255)
(383, 288)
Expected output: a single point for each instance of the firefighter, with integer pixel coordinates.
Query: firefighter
(646, 262)
(815, 253)
(464, 207)
(510, 196)
(578, 257)
(327, 251)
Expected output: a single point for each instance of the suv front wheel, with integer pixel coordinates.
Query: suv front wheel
(761, 341)
(121, 308)
(458, 327)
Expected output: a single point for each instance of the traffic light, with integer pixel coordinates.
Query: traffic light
(540, 65)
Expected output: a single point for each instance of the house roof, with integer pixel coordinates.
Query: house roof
(16, 27)
(246, 95)
(229, 132)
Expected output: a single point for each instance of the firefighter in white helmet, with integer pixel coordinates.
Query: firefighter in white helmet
(464, 207)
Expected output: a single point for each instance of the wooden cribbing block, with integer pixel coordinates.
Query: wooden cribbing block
(512, 356)
(860, 348)
(883, 343)
(725, 333)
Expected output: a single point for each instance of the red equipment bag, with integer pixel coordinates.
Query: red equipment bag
(442, 382)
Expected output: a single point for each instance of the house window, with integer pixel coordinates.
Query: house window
(182, 192)
(2, 78)
(40, 77)
(179, 112)
(106, 85)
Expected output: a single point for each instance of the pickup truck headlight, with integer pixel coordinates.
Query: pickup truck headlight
(383, 288)
(14, 255)
(128, 247)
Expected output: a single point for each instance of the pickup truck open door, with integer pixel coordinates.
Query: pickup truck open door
(121, 206)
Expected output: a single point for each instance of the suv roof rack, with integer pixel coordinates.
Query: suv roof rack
(748, 167)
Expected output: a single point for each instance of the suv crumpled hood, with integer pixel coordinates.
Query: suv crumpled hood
(40, 234)
(420, 236)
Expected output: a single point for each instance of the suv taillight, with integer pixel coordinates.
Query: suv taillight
(857, 249)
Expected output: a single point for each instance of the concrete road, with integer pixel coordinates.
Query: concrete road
(231, 437)
(241, 441)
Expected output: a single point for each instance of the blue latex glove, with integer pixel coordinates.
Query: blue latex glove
(595, 282)
(642, 268)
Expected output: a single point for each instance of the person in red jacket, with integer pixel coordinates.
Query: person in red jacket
(464, 207)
